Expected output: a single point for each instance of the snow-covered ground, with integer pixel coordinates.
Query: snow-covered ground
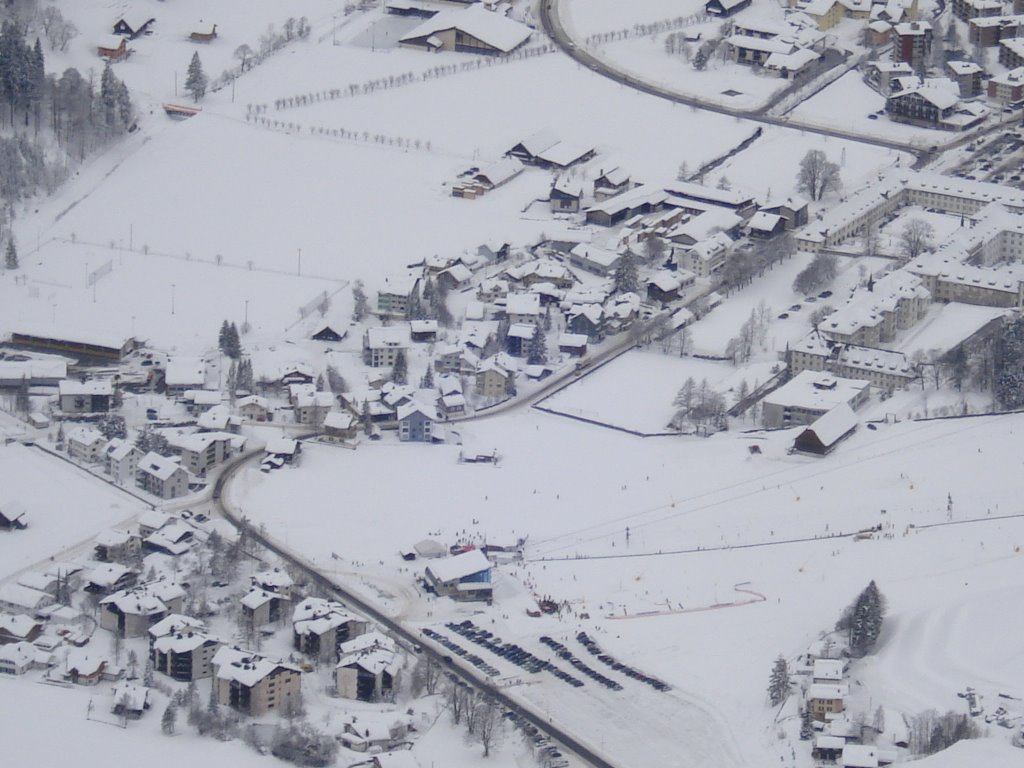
(64, 505)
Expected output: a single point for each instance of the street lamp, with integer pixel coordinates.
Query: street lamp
(172, 298)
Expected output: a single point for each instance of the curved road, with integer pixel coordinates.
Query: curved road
(552, 24)
(221, 501)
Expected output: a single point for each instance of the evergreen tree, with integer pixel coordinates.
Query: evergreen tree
(400, 370)
(626, 279)
(778, 683)
(364, 417)
(360, 307)
(147, 674)
(427, 382)
(11, 255)
(866, 620)
(245, 381)
(22, 402)
(537, 353)
(222, 337)
(169, 719)
(196, 80)
(335, 381)
(806, 725)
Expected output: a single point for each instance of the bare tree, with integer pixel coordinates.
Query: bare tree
(916, 238)
(488, 723)
(243, 53)
(817, 175)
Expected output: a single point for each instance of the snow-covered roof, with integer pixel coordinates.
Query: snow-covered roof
(565, 153)
(829, 428)
(49, 368)
(500, 171)
(19, 654)
(274, 579)
(491, 28)
(197, 442)
(86, 662)
(596, 255)
(285, 446)
(860, 756)
(407, 410)
(217, 418)
(17, 625)
(828, 670)
(145, 599)
(107, 574)
(816, 391)
(764, 222)
(522, 304)
(185, 372)
(118, 449)
(522, 330)
(256, 597)
(133, 697)
(245, 667)
(85, 436)
(423, 326)
(175, 623)
(828, 690)
(255, 400)
(315, 616)
(339, 420)
(160, 467)
(23, 597)
(381, 336)
(109, 42)
(572, 340)
(459, 566)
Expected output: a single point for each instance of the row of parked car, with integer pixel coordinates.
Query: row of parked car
(462, 653)
(547, 753)
(593, 674)
(511, 652)
(588, 643)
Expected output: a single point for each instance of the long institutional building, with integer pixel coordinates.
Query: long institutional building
(992, 237)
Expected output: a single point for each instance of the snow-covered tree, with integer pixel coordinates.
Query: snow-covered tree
(866, 620)
(11, 255)
(778, 682)
(360, 308)
(817, 175)
(626, 279)
(196, 80)
(915, 238)
(537, 352)
(169, 719)
(400, 370)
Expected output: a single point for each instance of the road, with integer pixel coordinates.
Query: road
(552, 24)
(221, 502)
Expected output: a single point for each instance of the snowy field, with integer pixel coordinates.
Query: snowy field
(64, 505)
(574, 489)
(635, 391)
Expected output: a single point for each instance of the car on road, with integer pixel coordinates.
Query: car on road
(795, 308)
(824, 294)
(783, 316)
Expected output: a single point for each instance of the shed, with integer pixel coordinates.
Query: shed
(821, 437)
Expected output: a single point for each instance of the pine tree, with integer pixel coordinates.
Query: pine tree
(196, 80)
(806, 725)
(169, 719)
(335, 380)
(400, 370)
(866, 620)
(366, 419)
(778, 683)
(626, 279)
(537, 353)
(11, 255)
(360, 305)
(222, 337)
(427, 382)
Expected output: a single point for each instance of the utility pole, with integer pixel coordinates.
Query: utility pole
(172, 298)
(300, 263)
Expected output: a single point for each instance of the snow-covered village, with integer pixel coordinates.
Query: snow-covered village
(408, 383)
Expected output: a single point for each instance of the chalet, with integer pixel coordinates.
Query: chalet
(84, 667)
(180, 648)
(828, 748)
(131, 25)
(824, 434)
(394, 296)
(493, 380)
(184, 373)
(381, 345)
(455, 277)
(297, 373)
(15, 598)
(284, 448)
(610, 183)
(545, 150)
(825, 699)
(312, 407)
(415, 422)
(725, 8)
(37, 580)
(203, 33)
(810, 395)
(254, 408)
(463, 577)
(274, 580)
(199, 401)
(566, 195)
(112, 47)
(121, 461)
(378, 737)
(13, 517)
(520, 338)
(131, 612)
(473, 30)
(829, 671)
(175, 539)
(665, 286)
(113, 546)
(765, 226)
(252, 684)
(494, 252)
(587, 320)
(476, 181)
(129, 700)
(162, 476)
(219, 419)
(339, 426)
(91, 396)
(109, 578)
(792, 209)
(594, 259)
(573, 344)
(321, 627)
(17, 658)
(86, 445)
(538, 272)
(523, 308)
(423, 331)
(452, 405)
(18, 628)
(368, 668)
(706, 257)
(327, 333)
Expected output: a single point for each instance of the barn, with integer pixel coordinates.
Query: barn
(821, 437)
(474, 30)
